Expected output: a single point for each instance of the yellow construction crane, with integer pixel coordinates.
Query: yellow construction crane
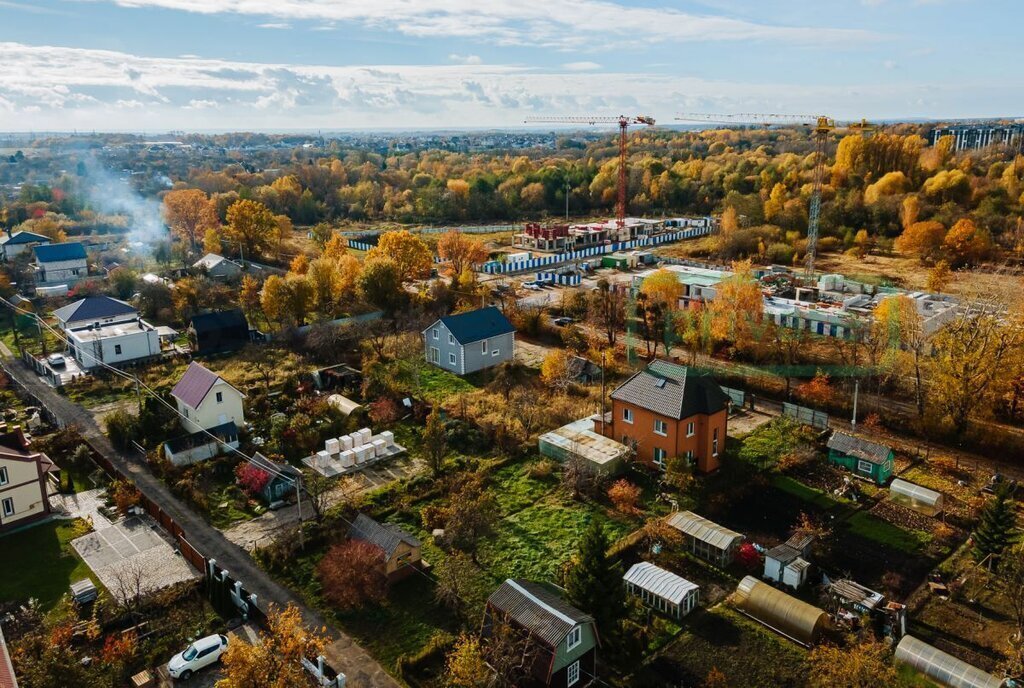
(821, 126)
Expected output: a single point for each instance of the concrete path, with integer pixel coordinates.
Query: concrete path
(344, 654)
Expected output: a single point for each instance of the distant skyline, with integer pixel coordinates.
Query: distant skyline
(153, 65)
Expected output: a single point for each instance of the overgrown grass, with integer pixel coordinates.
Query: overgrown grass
(766, 444)
(804, 492)
(437, 385)
(877, 530)
(45, 564)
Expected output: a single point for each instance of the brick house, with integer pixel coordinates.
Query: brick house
(668, 410)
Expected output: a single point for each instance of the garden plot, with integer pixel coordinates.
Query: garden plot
(130, 557)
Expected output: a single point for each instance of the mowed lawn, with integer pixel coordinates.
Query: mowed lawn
(46, 563)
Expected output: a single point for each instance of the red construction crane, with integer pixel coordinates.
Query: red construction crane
(821, 126)
(623, 121)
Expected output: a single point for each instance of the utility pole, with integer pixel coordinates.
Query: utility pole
(602, 390)
(856, 389)
(298, 503)
(567, 199)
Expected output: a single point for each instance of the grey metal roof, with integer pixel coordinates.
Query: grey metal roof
(660, 582)
(544, 614)
(782, 554)
(223, 432)
(858, 447)
(93, 308)
(703, 529)
(385, 536)
(943, 667)
(854, 592)
(672, 390)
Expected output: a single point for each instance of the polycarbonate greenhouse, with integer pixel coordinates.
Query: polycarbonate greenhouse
(942, 667)
(915, 497)
(785, 614)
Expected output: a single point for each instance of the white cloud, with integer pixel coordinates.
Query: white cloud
(275, 25)
(581, 66)
(78, 87)
(564, 24)
(465, 59)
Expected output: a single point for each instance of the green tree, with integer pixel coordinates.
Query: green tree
(996, 527)
(594, 583)
(381, 284)
(435, 445)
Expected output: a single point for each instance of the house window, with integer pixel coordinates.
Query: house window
(8, 507)
(689, 429)
(659, 457)
(437, 333)
(435, 355)
(451, 359)
(117, 348)
(483, 346)
(574, 638)
(572, 674)
(864, 466)
(3, 476)
(714, 444)
(220, 397)
(186, 411)
(627, 415)
(660, 427)
(451, 338)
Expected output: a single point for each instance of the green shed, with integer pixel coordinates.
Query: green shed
(617, 261)
(861, 457)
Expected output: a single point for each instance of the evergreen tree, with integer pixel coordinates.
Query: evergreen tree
(996, 526)
(594, 583)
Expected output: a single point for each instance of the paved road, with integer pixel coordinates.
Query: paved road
(343, 654)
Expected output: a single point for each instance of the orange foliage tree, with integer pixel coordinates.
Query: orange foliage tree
(624, 495)
(189, 213)
(275, 661)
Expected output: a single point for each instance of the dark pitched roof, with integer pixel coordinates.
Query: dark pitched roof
(93, 308)
(224, 432)
(782, 554)
(219, 320)
(858, 447)
(385, 536)
(25, 238)
(544, 614)
(49, 253)
(672, 390)
(472, 326)
(273, 467)
(194, 385)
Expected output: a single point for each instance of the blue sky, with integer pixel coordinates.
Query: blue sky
(343, 64)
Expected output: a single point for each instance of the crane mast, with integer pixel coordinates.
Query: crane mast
(821, 126)
(624, 123)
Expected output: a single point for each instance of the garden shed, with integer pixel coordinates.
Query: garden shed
(916, 497)
(942, 667)
(862, 457)
(661, 589)
(706, 539)
(800, 622)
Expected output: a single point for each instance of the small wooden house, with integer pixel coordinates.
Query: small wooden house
(564, 640)
(283, 478)
(401, 550)
(862, 457)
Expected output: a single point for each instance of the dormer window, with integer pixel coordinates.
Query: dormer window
(220, 397)
(574, 638)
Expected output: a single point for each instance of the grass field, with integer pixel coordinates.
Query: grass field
(47, 564)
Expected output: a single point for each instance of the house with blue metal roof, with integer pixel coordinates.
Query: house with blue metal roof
(20, 242)
(471, 341)
(60, 263)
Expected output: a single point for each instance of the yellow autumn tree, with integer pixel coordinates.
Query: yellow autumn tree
(189, 213)
(466, 665)
(966, 244)
(890, 184)
(737, 307)
(554, 370)
(334, 248)
(922, 239)
(860, 666)
(211, 241)
(939, 277)
(460, 252)
(299, 264)
(275, 661)
(663, 287)
(409, 253)
(250, 225)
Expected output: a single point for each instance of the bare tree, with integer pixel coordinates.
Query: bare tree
(579, 476)
(130, 585)
(318, 491)
(510, 652)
